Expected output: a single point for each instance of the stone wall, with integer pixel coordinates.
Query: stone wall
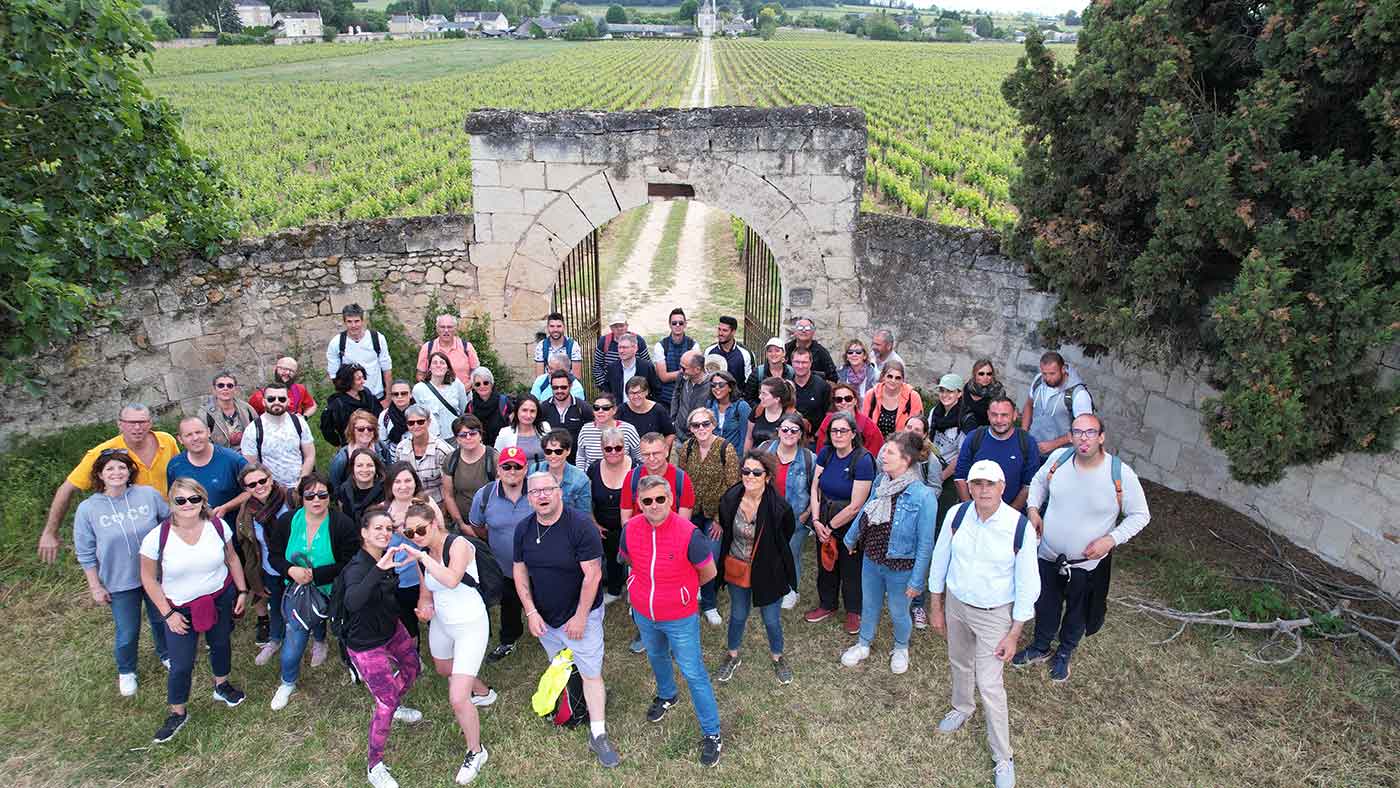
(951, 295)
(260, 299)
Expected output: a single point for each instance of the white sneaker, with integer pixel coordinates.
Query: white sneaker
(714, 617)
(266, 653)
(1005, 774)
(165, 663)
(855, 655)
(952, 721)
(379, 777)
(608, 599)
(318, 653)
(283, 694)
(485, 700)
(126, 684)
(471, 766)
(899, 661)
(405, 714)
(789, 600)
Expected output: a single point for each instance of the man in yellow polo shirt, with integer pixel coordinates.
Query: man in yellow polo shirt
(150, 450)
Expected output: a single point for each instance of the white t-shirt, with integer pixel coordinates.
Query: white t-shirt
(281, 448)
(189, 571)
(362, 353)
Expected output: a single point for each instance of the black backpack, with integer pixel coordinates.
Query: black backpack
(981, 433)
(373, 341)
(455, 458)
(492, 580)
(336, 614)
(259, 430)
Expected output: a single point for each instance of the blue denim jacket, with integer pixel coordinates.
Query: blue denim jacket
(799, 483)
(736, 422)
(911, 533)
(576, 489)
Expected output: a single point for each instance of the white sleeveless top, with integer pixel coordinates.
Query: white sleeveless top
(460, 605)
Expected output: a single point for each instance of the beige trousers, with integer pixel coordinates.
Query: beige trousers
(973, 635)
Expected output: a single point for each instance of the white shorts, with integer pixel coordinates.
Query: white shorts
(464, 644)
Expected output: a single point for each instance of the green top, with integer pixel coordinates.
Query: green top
(320, 553)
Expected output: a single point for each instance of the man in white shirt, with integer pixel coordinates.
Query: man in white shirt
(556, 341)
(358, 345)
(1092, 491)
(281, 441)
(985, 563)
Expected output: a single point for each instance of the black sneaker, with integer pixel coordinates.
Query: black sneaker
(500, 652)
(172, 726)
(710, 747)
(228, 693)
(659, 707)
(264, 632)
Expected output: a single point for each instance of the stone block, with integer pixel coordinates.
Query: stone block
(162, 329)
(630, 190)
(854, 317)
(517, 175)
(485, 172)
(498, 200)
(183, 383)
(510, 228)
(500, 147)
(348, 274)
(1334, 538)
(1165, 452)
(1181, 388)
(545, 247)
(1340, 497)
(146, 367)
(362, 294)
(1362, 468)
(565, 221)
(526, 305)
(530, 274)
(839, 267)
(785, 138)
(1297, 522)
(1388, 486)
(838, 139)
(556, 149)
(1172, 419)
(832, 188)
(435, 275)
(461, 279)
(594, 197)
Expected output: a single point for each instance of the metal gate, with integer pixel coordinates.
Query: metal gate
(578, 297)
(763, 294)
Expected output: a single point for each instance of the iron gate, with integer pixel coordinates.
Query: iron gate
(763, 295)
(578, 297)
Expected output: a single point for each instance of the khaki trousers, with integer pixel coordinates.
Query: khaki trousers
(973, 635)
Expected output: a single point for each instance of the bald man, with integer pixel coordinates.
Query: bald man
(285, 371)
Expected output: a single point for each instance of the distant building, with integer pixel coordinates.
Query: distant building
(550, 27)
(738, 27)
(629, 30)
(299, 24)
(405, 25)
(252, 13)
(436, 19)
(485, 21)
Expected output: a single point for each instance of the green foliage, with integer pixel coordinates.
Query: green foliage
(617, 15)
(217, 15)
(162, 31)
(984, 26)
(476, 329)
(687, 11)
(244, 39)
(95, 177)
(537, 32)
(880, 27)
(767, 24)
(582, 30)
(1222, 184)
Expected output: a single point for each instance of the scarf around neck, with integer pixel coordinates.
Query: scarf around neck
(993, 389)
(882, 510)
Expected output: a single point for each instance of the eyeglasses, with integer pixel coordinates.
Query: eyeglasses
(556, 452)
(651, 501)
(790, 430)
(755, 472)
(181, 500)
(1089, 433)
(365, 428)
(839, 430)
(134, 421)
(701, 425)
(400, 393)
(613, 449)
(894, 377)
(481, 383)
(417, 422)
(602, 406)
(249, 484)
(318, 496)
(225, 385)
(411, 532)
(540, 492)
(468, 433)
(511, 466)
(718, 384)
(274, 399)
(846, 398)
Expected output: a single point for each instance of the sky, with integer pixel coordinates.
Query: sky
(1052, 7)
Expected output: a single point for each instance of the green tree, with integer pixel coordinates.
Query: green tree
(767, 24)
(617, 15)
(1071, 17)
(582, 30)
(95, 178)
(984, 27)
(162, 31)
(1209, 182)
(218, 15)
(536, 31)
(880, 27)
(687, 11)
(566, 9)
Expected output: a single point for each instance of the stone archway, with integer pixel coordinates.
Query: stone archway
(542, 181)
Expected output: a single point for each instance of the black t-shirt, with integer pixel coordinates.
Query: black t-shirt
(813, 400)
(607, 502)
(654, 420)
(551, 554)
(761, 428)
(371, 603)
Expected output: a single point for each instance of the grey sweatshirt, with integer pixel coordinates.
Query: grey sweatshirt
(1083, 506)
(107, 534)
(1049, 419)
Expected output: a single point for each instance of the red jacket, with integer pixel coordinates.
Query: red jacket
(869, 434)
(663, 585)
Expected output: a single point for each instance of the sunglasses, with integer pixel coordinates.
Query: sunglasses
(855, 351)
(790, 430)
(251, 483)
(555, 452)
(113, 452)
(984, 374)
(411, 532)
(400, 393)
(468, 433)
(718, 384)
(755, 472)
(319, 496)
(365, 428)
(510, 466)
(274, 399)
(481, 383)
(560, 388)
(225, 385)
(417, 422)
(894, 377)
(833, 399)
(181, 500)
(613, 449)
(603, 406)
(656, 500)
(802, 328)
(677, 322)
(700, 425)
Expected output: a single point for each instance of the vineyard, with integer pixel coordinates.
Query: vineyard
(943, 143)
(208, 60)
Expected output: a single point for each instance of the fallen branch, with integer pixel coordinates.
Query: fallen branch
(1291, 628)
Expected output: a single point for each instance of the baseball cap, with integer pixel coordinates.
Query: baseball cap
(986, 470)
(951, 382)
(618, 319)
(774, 342)
(512, 454)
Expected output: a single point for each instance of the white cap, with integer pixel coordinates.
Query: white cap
(775, 342)
(618, 319)
(986, 470)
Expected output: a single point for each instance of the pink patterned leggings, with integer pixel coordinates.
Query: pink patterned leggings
(376, 668)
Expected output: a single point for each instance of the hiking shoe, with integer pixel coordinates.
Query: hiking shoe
(920, 618)
(379, 777)
(712, 615)
(318, 653)
(952, 721)
(282, 695)
(726, 670)
(1059, 669)
(782, 671)
(710, 747)
(1029, 656)
(126, 684)
(471, 766)
(659, 707)
(267, 652)
(1005, 774)
(601, 747)
(485, 700)
(899, 661)
(500, 652)
(790, 600)
(408, 715)
(264, 632)
(165, 663)
(855, 655)
(817, 614)
(170, 727)
(637, 646)
(608, 599)
(852, 623)
(229, 694)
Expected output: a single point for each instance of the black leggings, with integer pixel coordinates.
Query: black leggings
(408, 601)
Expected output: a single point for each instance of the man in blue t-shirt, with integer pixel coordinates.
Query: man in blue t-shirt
(215, 467)
(1005, 444)
(558, 569)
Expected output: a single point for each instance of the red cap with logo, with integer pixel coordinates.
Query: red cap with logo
(513, 454)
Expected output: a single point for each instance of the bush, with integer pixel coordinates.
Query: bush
(582, 30)
(454, 34)
(162, 31)
(1224, 185)
(476, 329)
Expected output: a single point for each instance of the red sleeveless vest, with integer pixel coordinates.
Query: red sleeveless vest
(664, 585)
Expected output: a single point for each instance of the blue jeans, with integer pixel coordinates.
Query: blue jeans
(184, 647)
(126, 614)
(795, 544)
(294, 644)
(710, 591)
(740, 603)
(276, 589)
(681, 639)
(881, 585)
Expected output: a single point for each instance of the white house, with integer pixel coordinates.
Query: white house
(486, 21)
(436, 19)
(253, 13)
(299, 24)
(405, 24)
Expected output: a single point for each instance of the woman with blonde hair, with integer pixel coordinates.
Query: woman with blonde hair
(892, 402)
(858, 371)
(713, 467)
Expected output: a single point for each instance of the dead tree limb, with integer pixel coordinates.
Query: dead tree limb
(1280, 628)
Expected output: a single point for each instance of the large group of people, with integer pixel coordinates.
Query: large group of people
(692, 474)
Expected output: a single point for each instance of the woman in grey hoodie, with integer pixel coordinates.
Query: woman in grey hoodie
(107, 533)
